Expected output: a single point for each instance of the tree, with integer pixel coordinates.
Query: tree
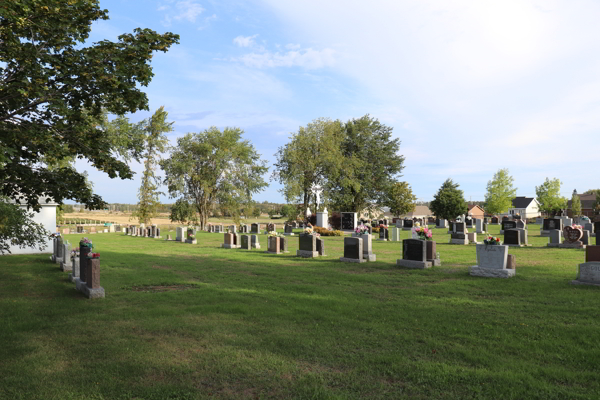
(214, 166)
(575, 204)
(289, 211)
(306, 161)
(17, 228)
(156, 142)
(548, 195)
(52, 88)
(182, 211)
(400, 199)
(449, 202)
(370, 166)
(500, 193)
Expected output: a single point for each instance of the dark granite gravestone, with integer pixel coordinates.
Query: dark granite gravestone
(384, 234)
(494, 220)
(353, 248)
(459, 227)
(508, 225)
(512, 237)
(254, 228)
(283, 245)
(597, 228)
(408, 223)
(485, 220)
(321, 246)
(288, 229)
(83, 252)
(245, 242)
(374, 224)
(348, 222)
(469, 222)
(431, 253)
(552, 223)
(414, 250)
(307, 243)
(504, 218)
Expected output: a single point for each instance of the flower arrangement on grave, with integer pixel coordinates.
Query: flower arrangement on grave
(576, 227)
(361, 230)
(310, 231)
(274, 234)
(423, 233)
(191, 237)
(93, 255)
(492, 241)
(85, 242)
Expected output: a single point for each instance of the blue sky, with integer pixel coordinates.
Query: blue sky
(468, 86)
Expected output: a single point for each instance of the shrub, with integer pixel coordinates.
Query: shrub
(335, 220)
(375, 230)
(326, 232)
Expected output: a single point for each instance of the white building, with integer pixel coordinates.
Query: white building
(47, 217)
(526, 207)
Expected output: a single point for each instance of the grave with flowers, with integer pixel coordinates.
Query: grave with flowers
(420, 251)
(91, 286)
(362, 232)
(573, 235)
(492, 260)
(384, 233)
(191, 237)
(276, 243)
(307, 244)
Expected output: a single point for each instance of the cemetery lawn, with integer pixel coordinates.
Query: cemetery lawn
(183, 321)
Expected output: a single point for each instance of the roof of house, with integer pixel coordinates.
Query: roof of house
(587, 201)
(418, 211)
(472, 206)
(522, 201)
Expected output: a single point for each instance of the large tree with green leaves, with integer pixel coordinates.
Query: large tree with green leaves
(575, 204)
(449, 202)
(500, 193)
(212, 167)
(548, 195)
(371, 164)
(53, 88)
(155, 144)
(308, 159)
(400, 199)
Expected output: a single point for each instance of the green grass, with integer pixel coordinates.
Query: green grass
(184, 321)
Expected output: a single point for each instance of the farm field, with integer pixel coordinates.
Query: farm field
(184, 321)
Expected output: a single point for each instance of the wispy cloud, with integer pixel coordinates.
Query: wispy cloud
(306, 58)
(184, 10)
(245, 41)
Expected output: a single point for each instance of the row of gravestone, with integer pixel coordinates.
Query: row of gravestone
(152, 231)
(92, 229)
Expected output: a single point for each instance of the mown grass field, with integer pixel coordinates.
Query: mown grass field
(183, 321)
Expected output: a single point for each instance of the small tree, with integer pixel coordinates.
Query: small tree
(156, 142)
(449, 202)
(575, 204)
(548, 195)
(500, 193)
(182, 211)
(400, 199)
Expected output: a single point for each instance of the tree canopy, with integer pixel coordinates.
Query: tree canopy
(17, 228)
(213, 167)
(575, 204)
(53, 89)
(371, 166)
(548, 195)
(400, 199)
(449, 202)
(500, 193)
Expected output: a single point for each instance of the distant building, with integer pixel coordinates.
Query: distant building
(47, 217)
(587, 205)
(476, 211)
(526, 207)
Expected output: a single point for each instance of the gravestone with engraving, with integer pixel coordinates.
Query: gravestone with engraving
(230, 241)
(459, 235)
(512, 238)
(480, 226)
(408, 225)
(254, 228)
(573, 238)
(586, 238)
(431, 254)
(254, 242)
(92, 288)
(508, 225)
(589, 271)
(288, 230)
(492, 262)
(395, 236)
(550, 224)
(384, 234)
(307, 246)
(246, 242)
(321, 246)
(495, 221)
(414, 254)
(65, 264)
(441, 223)
(555, 238)
(367, 246)
(353, 250)
(273, 245)
(190, 237)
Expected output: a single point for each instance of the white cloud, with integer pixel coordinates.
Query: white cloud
(307, 58)
(185, 10)
(245, 41)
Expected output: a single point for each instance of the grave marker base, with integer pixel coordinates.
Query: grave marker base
(575, 245)
(307, 254)
(414, 264)
(460, 241)
(588, 274)
(353, 260)
(230, 246)
(491, 272)
(552, 244)
(382, 240)
(370, 257)
(195, 241)
(97, 293)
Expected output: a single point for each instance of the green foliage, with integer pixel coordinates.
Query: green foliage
(256, 212)
(182, 211)
(155, 144)
(308, 159)
(400, 199)
(290, 212)
(369, 167)
(327, 232)
(449, 201)
(17, 228)
(548, 195)
(52, 88)
(575, 204)
(214, 167)
(500, 193)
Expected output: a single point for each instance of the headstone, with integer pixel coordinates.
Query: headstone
(283, 245)
(74, 275)
(79, 229)
(66, 264)
(288, 230)
(254, 228)
(408, 224)
(414, 254)
(586, 238)
(469, 222)
(384, 234)
(353, 250)
(479, 226)
(555, 238)
(395, 236)
(246, 242)
(431, 253)
(273, 245)
(508, 225)
(179, 234)
(472, 236)
(495, 221)
(254, 242)
(230, 241)
(232, 229)
(307, 246)
(597, 227)
(348, 221)
(459, 227)
(589, 271)
(521, 224)
(492, 261)
(512, 237)
(588, 226)
(441, 223)
(321, 247)
(573, 238)
(65, 231)
(92, 288)
(550, 224)
(367, 246)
